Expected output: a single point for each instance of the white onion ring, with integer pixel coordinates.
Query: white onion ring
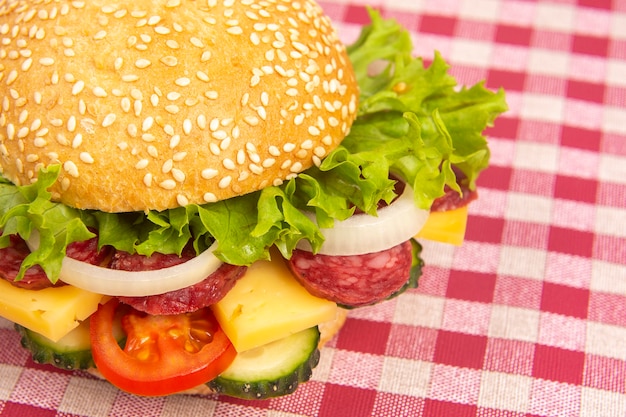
(113, 282)
(361, 233)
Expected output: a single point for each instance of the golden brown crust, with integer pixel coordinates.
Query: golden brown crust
(155, 104)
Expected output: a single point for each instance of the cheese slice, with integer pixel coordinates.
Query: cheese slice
(445, 226)
(52, 312)
(267, 304)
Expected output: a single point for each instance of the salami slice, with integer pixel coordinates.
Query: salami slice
(188, 299)
(35, 278)
(354, 280)
(451, 199)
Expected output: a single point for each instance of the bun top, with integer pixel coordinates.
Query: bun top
(158, 104)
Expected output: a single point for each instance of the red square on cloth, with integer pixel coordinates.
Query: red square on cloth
(577, 189)
(471, 286)
(495, 176)
(440, 25)
(582, 90)
(360, 404)
(504, 127)
(598, 4)
(357, 15)
(556, 364)
(364, 336)
(573, 242)
(459, 349)
(484, 229)
(581, 138)
(590, 45)
(516, 35)
(18, 409)
(565, 300)
(509, 80)
(435, 408)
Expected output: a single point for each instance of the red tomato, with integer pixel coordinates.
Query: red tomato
(163, 354)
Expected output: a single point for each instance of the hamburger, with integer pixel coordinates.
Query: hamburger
(194, 193)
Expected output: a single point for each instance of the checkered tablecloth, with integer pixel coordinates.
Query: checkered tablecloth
(528, 317)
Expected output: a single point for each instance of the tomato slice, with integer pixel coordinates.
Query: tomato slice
(163, 354)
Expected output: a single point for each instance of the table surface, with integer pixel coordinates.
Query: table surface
(528, 317)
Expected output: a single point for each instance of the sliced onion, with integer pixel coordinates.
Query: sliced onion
(362, 233)
(113, 282)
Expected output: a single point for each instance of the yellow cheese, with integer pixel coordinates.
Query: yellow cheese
(52, 312)
(267, 304)
(445, 226)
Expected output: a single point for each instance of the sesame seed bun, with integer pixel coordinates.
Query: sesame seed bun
(158, 104)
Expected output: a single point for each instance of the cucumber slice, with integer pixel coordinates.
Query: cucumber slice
(72, 351)
(271, 370)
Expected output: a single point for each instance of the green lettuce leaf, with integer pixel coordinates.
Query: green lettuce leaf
(414, 123)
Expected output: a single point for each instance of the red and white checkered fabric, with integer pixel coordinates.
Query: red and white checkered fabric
(528, 317)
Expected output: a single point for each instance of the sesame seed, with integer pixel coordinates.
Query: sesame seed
(251, 120)
(77, 141)
(129, 78)
(201, 121)
(235, 30)
(47, 61)
(172, 109)
(179, 156)
(182, 82)
(78, 87)
(86, 158)
(209, 173)
(168, 184)
(143, 163)
(40, 142)
(178, 175)
(71, 124)
(228, 163)
(142, 63)
(147, 123)
(187, 125)
(215, 150)
(202, 76)
(108, 120)
(182, 200)
(152, 151)
(147, 179)
(225, 182)
(71, 168)
(170, 61)
(209, 197)
(100, 35)
(99, 92)
(174, 141)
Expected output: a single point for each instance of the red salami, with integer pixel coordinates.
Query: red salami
(35, 278)
(354, 280)
(451, 199)
(204, 293)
